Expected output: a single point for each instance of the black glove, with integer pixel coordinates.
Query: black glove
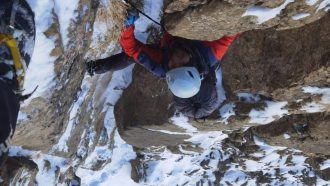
(3, 153)
(90, 67)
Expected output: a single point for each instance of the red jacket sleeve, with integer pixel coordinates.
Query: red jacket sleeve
(219, 47)
(132, 47)
(166, 39)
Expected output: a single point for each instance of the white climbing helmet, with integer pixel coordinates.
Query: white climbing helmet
(184, 82)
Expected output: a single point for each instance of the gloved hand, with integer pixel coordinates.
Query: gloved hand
(3, 153)
(90, 67)
(132, 16)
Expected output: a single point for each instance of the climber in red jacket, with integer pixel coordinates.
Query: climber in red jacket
(188, 66)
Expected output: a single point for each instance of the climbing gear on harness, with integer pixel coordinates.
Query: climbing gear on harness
(16, 16)
(7, 38)
(20, 66)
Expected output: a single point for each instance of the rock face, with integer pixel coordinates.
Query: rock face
(211, 19)
(271, 61)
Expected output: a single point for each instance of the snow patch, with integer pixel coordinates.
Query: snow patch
(325, 4)
(117, 172)
(22, 116)
(48, 165)
(168, 132)
(153, 9)
(184, 169)
(325, 165)
(312, 107)
(311, 2)
(41, 58)
(183, 122)
(248, 97)
(274, 110)
(65, 11)
(220, 90)
(226, 111)
(325, 92)
(300, 16)
(73, 119)
(286, 136)
(264, 14)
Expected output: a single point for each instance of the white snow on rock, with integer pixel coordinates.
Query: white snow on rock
(65, 11)
(286, 136)
(300, 16)
(274, 110)
(119, 154)
(325, 4)
(74, 116)
(175, 169)
(311, 2)
(325, 92)
(248, 97)
(318, 106)
(264, 14)
(41, 58)
(325, 165)
(48, 165)
(183, 122)
(153, 9)
(117, 172)
(312, 107)
(220, 89)
(226, 111)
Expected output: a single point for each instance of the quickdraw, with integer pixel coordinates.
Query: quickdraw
(20, 67)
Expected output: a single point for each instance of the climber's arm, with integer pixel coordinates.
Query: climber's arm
(218, 48)
(145, 55)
